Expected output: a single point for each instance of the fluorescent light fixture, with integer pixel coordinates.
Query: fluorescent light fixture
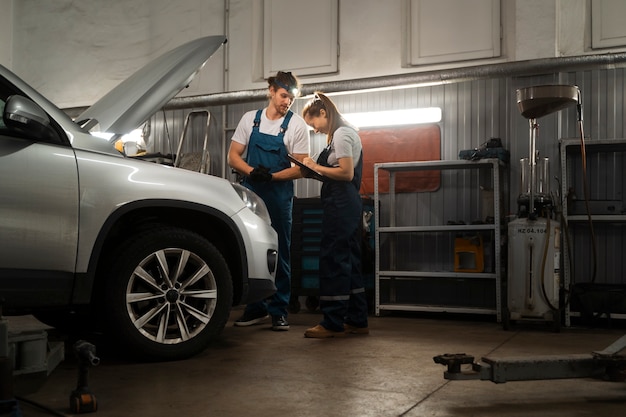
(395, 117)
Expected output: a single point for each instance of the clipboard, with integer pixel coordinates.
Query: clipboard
(308, 171)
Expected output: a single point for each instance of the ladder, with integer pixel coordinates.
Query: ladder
(194, 161)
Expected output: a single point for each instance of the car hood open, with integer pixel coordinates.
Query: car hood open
(134, 100)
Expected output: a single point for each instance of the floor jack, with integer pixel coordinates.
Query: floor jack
(608, 364)
(82, 400)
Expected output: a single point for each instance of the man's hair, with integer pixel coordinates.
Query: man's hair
(285, 80)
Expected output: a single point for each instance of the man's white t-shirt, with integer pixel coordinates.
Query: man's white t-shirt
(296, 137)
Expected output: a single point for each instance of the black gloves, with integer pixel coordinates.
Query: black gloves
(261, 174)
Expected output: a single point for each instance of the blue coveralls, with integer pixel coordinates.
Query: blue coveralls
(270, 151)
(342, 293)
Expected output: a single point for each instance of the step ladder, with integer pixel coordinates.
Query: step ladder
(194, 161)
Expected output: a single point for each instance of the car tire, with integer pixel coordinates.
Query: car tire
(168, 292)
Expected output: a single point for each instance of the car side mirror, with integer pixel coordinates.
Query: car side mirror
(26, 117)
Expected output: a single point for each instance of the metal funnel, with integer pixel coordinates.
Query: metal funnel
(538, 101)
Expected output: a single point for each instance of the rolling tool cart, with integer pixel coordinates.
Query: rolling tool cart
(306, 234)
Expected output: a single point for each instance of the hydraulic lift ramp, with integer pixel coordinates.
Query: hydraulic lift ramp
(608, 364)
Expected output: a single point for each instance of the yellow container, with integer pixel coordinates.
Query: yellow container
(469, 254)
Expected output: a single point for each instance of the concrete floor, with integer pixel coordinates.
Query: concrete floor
(254, 371)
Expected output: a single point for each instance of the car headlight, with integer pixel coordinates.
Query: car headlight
(253, 202)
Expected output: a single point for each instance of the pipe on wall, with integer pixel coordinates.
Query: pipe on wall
(509, 69)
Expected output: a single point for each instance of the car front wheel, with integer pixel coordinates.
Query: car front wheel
(167, 293)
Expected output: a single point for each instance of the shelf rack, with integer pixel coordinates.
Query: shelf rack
(392, 278)
(607, 157)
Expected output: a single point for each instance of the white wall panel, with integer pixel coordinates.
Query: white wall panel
(536, 29)
(300, 36)
(607, 28)
(452, 30)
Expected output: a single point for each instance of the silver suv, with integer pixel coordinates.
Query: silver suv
(154, 256)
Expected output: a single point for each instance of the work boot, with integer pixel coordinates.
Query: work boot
(350, 329)
(321, 332)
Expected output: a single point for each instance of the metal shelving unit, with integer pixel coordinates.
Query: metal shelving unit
(398, 284)
(606, 158)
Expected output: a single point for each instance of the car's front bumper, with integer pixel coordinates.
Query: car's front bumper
(261, 244)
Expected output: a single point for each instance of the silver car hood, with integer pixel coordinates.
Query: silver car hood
(137, 98)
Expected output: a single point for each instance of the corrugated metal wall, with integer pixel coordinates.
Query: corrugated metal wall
(473, 112)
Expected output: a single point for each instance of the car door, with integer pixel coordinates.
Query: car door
(38, 217)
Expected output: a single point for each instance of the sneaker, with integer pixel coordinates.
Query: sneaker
(279, 323)
(350, 329)
(321, 332)
(250, 319)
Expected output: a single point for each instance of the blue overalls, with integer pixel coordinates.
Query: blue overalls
(342, 293)
(270, 151)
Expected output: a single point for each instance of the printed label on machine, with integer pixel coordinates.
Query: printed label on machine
(531, 230)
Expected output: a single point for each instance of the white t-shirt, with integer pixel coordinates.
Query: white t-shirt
(346, 144)
(296, 137)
